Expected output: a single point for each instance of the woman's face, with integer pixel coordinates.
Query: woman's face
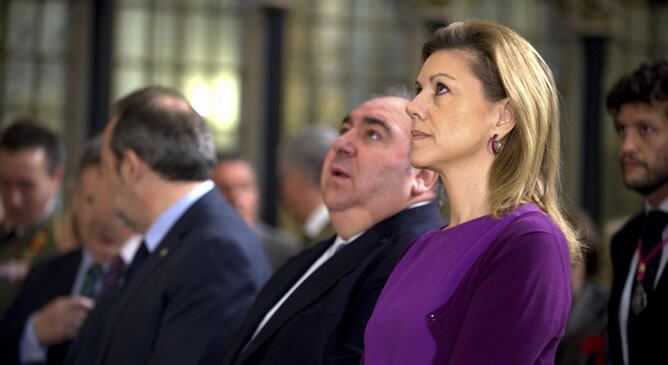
(452, 119)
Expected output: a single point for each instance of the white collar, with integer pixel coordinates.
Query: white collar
(161, 226)
(662, 207)
(316, 221)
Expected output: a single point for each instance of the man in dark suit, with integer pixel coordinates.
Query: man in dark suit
(59, 292)
(638, 307)
(199, 266)
(315, 308)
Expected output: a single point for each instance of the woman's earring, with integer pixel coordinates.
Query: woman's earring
(495, 144)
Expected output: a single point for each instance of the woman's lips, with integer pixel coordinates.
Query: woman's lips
(415, 134)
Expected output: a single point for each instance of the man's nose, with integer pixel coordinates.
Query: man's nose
(14, 197)
(628, 142)
(344, 144)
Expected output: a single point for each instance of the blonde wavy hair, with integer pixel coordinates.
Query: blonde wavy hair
(528, 167)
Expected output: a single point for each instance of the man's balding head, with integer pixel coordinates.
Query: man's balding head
(163, 129)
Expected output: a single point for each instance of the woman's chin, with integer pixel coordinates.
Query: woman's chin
(418, 160)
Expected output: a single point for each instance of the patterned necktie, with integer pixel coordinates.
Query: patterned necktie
(91, 279)
(111, 275)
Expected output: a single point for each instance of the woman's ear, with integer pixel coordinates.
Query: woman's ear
(506, 121)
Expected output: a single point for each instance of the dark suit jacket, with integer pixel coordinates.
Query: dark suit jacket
(323, 320)
(655, 316)
(46, 281)
(197, 284)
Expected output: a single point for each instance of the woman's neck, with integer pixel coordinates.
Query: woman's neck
(467, 193)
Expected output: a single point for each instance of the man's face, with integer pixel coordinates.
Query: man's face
(643, 145)
(236, 180)
(26, 185)
(367, 167)
(101, 231)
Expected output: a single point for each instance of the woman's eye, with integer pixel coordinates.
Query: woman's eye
(418, 90)
(441, 89)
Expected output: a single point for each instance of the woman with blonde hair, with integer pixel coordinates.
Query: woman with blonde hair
(492, 287)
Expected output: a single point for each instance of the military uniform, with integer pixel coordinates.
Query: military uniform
(35, 243)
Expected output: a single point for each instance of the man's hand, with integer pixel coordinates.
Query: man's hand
(61, 319)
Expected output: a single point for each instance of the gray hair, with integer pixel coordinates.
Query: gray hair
(397, 91)
(308, 150)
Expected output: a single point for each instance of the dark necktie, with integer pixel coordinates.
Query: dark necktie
(110, 277)
(91, 279)
(140, 257)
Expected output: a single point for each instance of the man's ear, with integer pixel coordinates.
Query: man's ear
(506, 121)
(423, 181)
(133, 167)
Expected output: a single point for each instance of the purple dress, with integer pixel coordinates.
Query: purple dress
(488, 291)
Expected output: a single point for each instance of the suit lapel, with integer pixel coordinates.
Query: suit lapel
(286, 278)
(418, 220)
(321, 281)
(273, 291)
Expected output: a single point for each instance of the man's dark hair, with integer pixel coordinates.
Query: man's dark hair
(28, 133)
(648, 84)
(163, 129)
(91, 155)
(229, 155)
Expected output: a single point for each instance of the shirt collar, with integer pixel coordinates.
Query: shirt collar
(86, 259)
(129, 248)
(339, 241)
(662, 207)
(316, 221)
(419, 204)
(159, 229)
